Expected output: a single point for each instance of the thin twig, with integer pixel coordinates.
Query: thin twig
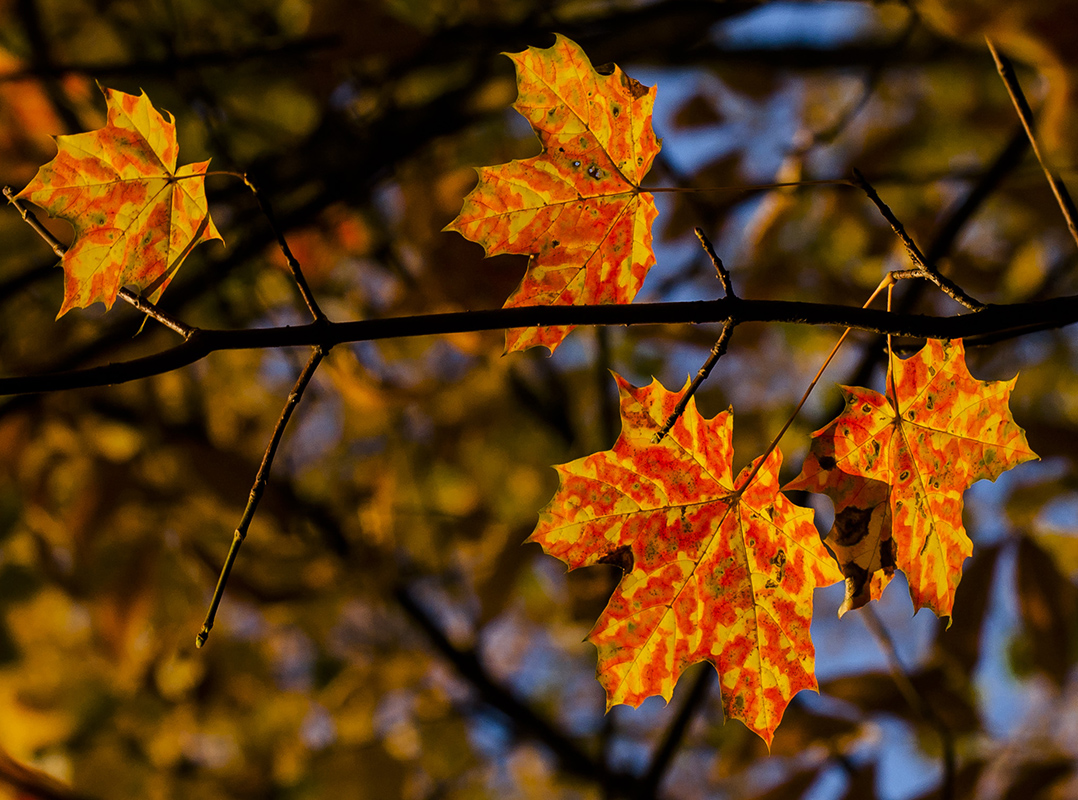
(1025, 114)
(136, 300)
(720, 344)
(716, 353)
(928, 271)
(31, 219)
(261, 478)
(720, 268)
(293, 264)
(920, 706)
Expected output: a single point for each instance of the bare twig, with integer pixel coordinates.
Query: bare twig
(716, 353)
(136, 300)
(1025, 114)
(31, 219)
(261, 478)
(293, 264)
(927, 270)
(920, 706)
(720, 344)
(720, 268)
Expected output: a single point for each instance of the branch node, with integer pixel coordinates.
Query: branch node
(720, 268)
(924, 269)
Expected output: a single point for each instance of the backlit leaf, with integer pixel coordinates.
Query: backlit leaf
(136, 217)
(948, 431)
(577, 208)
(711, 573)
(860, 537)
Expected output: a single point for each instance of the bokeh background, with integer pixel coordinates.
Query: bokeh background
(385, 633)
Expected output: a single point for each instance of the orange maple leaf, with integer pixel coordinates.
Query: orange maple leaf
(576, 209)
(136, 217)
(712, 573)
(941, 431)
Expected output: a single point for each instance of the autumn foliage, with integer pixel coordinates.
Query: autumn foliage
(716, 558)
(577, 210)
(136, 217)
(716, 569)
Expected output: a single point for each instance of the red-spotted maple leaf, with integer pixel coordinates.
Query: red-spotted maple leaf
(136, 217)
(711, 573)
(942, 431)
(577, 208)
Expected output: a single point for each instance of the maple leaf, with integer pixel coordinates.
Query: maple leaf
(136, 217)
(712, 573)
(577, 208)
(944, 431)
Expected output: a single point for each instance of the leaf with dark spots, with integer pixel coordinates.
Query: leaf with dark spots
(577, 207)
(908, 458)
(716, 572)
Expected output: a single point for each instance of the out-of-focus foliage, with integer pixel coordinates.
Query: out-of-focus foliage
(385, 633)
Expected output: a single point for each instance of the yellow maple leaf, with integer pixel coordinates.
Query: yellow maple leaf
(136, 217)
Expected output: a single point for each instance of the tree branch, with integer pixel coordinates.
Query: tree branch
(1010, 320)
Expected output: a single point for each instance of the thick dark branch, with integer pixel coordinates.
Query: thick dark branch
(1013, 320)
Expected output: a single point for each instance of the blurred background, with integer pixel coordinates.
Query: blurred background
(385, 634)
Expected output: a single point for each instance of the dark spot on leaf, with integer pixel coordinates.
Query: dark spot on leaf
(887, 555)
(851, 525)
(635, 87)
(827, 462)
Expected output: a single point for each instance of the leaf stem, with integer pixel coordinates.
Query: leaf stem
(259, 486)
(891, 388)
(136, 300)
(1025, 114)
(887, 282)
(293, 264)
(924, 269)
(751, 187)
